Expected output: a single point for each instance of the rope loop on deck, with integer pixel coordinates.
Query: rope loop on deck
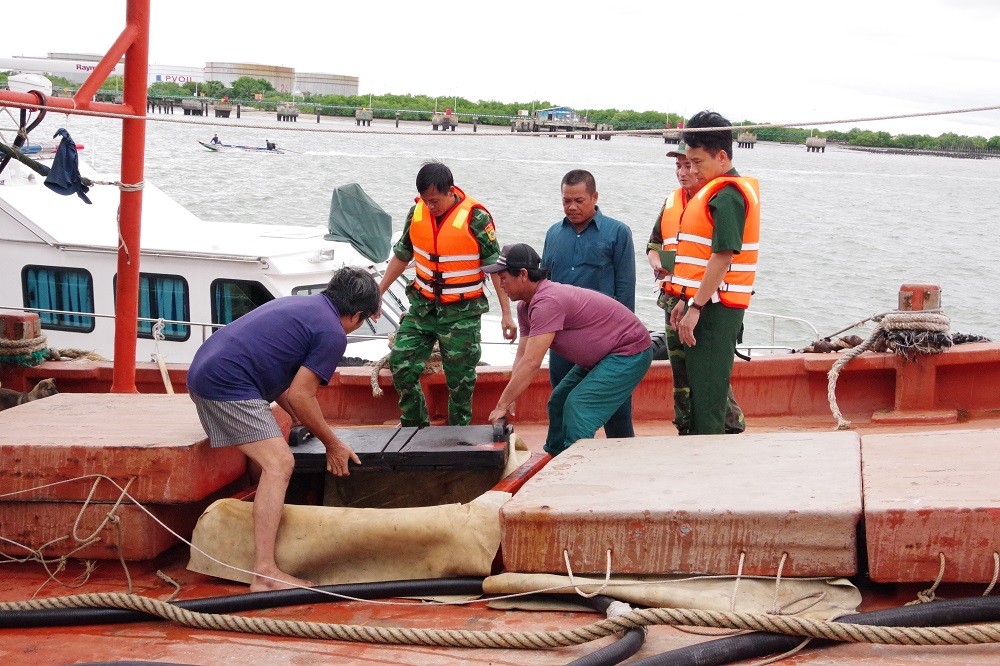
(576, 586)
(996, 574)
(907, 334)
(928, 595)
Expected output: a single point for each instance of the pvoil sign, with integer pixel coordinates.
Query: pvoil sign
(175, 78)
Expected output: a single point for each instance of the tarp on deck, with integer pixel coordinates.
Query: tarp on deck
(355, 218)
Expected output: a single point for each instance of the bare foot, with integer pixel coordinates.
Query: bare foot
(277, 580)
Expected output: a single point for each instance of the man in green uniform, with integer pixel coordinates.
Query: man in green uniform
(715, 268)
(450, 236)
(689, 186)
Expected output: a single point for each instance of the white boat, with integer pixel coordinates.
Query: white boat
(234, 148)
(58, 257)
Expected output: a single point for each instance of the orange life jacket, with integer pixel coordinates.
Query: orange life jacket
(449, 268)
(694, 247)
(670, 223)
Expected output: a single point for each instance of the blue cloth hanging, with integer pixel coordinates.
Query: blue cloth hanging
(64, 177)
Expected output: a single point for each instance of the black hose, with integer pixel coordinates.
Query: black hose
(61, 617)
(23, 131)
(623, 648)
(759, 644)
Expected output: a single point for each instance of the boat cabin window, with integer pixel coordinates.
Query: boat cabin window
(163, 297)
(386, 324)
(57, 295)
(231, 299)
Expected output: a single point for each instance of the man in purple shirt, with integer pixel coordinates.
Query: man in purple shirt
(281, 351)
(606, 342)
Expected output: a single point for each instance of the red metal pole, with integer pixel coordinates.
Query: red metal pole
(133, 42)
(130, 216)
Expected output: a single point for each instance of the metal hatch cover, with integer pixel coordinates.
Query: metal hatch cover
(434, 447)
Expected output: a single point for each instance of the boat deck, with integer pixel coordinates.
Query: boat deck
(963, 428)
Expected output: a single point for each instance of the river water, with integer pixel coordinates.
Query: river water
(841, 231)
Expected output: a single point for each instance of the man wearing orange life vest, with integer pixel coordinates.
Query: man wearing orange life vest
(715, 267)
(450, 236)
(663, 246)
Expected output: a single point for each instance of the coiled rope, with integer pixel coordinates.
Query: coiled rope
(28, 352)
(972, 634)
(905, 333)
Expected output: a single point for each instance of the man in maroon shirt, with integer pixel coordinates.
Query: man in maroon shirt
(606, 342)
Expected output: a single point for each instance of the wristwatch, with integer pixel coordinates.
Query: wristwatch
(692, 304)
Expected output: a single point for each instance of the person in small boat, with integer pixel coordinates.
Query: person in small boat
(282, 351)
(271, 145)
(591, 250)
(664, 239)
(215, 139)
(714, 269)
(451, 236)
(608, 345)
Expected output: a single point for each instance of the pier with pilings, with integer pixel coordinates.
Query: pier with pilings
(815, 144)
(746, 140)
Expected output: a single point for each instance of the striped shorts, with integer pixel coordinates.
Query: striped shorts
(234, 422)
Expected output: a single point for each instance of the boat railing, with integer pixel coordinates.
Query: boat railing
(205, 327)
(772, 347)
(97, 315)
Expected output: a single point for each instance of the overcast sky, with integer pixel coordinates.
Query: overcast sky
(783, 62)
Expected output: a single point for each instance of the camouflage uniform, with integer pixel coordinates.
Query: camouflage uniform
(735, 422)
(454, 326)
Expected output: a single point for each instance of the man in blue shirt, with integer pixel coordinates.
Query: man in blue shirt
(281, 351)
(588, 249)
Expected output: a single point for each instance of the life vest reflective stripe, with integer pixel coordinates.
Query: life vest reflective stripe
(448, 263)
(694, 247)
(670, 223)
(670, 218)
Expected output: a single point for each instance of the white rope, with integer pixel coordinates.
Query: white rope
(932, 321)
(736, 583)
(124, 187)
(996, 574)
(776, 608)
(927, 596)
(607, 576)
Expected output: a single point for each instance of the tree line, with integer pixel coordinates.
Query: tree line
(261, 93)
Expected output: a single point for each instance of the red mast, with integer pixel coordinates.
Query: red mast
(133, 43)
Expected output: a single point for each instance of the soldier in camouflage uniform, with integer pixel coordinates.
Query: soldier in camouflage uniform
(446, 298)
(735, 422)
(690, 184)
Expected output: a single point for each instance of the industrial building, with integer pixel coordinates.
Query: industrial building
(77, 67)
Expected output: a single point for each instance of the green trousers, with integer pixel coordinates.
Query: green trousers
(585, 399)
(734, 421)
(459, 341)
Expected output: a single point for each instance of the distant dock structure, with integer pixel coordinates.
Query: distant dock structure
(815, 144)
(673, 134)
(561, 120)
(446, 120)
(287, 112)
(363, 116)
(746, 140)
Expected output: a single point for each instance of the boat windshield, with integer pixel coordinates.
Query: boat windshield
(393, 307)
